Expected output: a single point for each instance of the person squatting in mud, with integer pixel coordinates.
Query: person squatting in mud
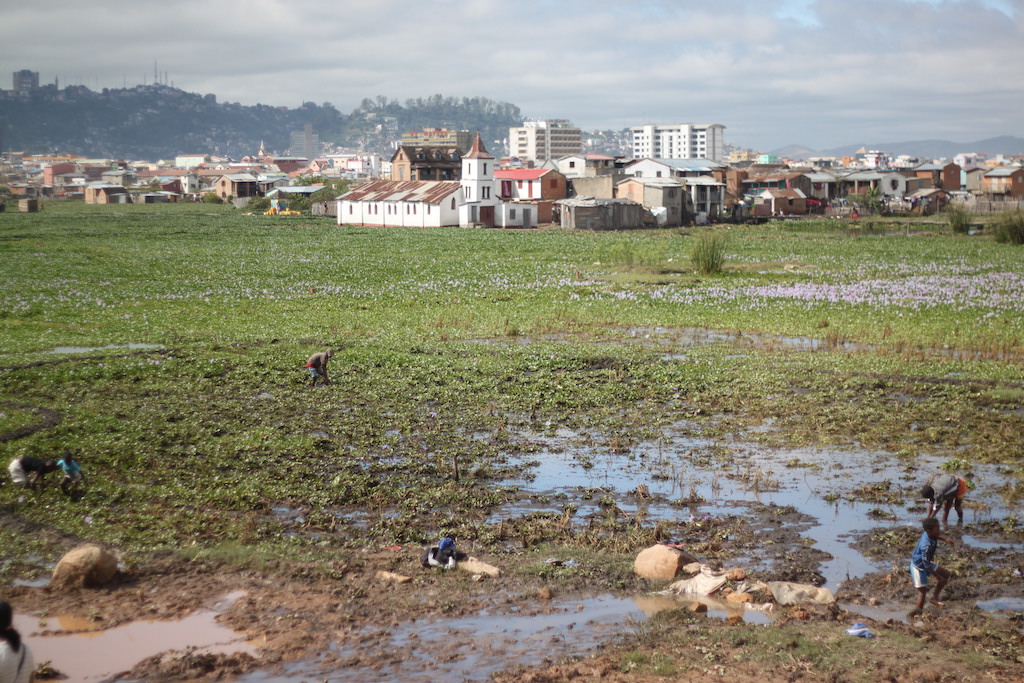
(317, 366)
(922, 565)
(73, 478)
(29, 471)
(945, 491)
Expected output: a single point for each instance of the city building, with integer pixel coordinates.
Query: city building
(430, 162)
(541, 141)
(25, 80)
(540, 187)
(305, 143)
(679, 141)
(438, 137)
(665, 198)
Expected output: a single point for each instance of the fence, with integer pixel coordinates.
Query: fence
(985, 207)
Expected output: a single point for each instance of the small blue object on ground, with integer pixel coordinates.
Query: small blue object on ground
(860, 630)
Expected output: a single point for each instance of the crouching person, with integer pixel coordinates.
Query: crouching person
(74, 478)
(442, 555)
(30, 472)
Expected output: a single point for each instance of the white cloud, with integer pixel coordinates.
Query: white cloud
(816, 72)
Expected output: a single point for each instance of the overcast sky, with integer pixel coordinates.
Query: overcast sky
(821, 73)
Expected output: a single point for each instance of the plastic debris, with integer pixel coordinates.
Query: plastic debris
(860, 630)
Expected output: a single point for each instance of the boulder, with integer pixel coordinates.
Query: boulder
(661, 562)
(88, 565)
(739, 597)
(383, 575)
(475, 566)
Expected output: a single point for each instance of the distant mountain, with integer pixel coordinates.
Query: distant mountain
(925, 149)
(157, 121)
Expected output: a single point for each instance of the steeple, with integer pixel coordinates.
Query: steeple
(478, 151)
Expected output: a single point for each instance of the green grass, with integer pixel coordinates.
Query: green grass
(450, 333)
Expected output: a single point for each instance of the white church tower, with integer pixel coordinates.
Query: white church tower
(479, 192)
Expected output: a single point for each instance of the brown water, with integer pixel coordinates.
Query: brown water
(79, 649)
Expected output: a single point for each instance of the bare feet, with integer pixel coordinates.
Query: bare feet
(914, 613)
(937, 603)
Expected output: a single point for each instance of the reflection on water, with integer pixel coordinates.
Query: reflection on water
(718, 477)
(87, 349)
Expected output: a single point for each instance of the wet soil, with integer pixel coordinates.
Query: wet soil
(344, 618)
(343, 621)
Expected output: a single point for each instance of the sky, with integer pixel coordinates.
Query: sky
(817, 73)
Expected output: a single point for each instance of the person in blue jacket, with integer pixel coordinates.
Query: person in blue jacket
(922, 565)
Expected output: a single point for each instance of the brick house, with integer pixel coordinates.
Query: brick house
(1005, 182)
(419, 162)
(106, 193)
(665, 198)
(541, 187)
(237, 185)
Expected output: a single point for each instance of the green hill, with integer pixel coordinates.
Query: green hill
(158, 121)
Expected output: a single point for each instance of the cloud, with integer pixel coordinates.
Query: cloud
(816, 72)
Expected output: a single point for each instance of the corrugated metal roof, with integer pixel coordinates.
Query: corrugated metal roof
(520, 173)
(783, 194)
(655, 182)
(1002, 171)
(591, 201)
(428, 191)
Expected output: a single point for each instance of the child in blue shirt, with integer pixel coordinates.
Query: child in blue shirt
(73, 477)
(922, 565)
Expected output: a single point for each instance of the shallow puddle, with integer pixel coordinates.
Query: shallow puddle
(473, 648)
(689, 477)
(75, 647)
(88, 349)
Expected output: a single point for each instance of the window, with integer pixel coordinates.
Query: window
(572, 164)
(486, 193)
(485, 169)
(520, 184)
(553, 183)
(453, 203)
(512, 214)
(351, 208)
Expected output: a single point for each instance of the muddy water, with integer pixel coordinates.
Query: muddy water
(77, 649)
(88, 349)
(815, 481)
(473, 648)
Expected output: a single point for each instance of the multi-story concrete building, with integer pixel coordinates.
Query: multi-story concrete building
(679, 141)
(439, 137)
(544, 140)
(305, 143)
(25, 80)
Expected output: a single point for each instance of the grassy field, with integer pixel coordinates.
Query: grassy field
(164, 345)
(445, 333)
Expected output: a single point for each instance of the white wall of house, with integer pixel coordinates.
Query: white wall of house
(400, 213)
(893, 184)
(572, 166)
(649, 168)
(513, 215)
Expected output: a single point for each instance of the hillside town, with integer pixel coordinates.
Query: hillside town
(544, 172)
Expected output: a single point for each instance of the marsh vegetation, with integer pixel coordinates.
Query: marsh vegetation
(164, 346)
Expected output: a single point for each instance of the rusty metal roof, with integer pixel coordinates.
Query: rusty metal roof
(426, 191)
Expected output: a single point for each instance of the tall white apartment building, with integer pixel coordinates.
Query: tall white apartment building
(680, 141)
(544, 140)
